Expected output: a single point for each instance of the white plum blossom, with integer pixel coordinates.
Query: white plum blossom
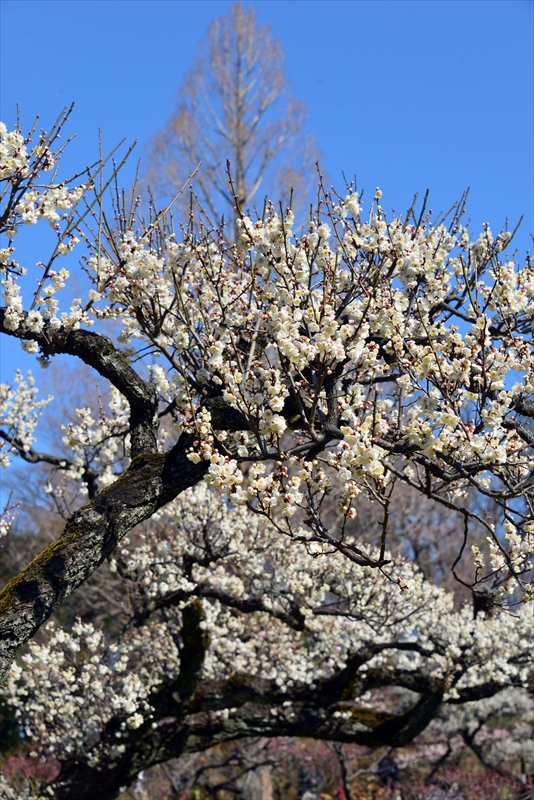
(273, 609)
(288, 377)
(13, 154)
(19, 414)
(376, 344)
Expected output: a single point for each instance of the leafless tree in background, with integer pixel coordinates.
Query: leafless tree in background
(234, 105)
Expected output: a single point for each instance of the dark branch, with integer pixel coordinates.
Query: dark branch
(258, 708)
(90, 536)
(89, 475)
(294, 619)
(98, 352)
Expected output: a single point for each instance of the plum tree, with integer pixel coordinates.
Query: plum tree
(259, 391)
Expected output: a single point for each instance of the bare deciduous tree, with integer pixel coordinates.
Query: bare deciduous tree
(364, 355)
(234, 105)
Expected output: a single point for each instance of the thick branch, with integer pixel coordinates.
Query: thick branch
(258, 711)
(193, 647)
(350, 681)
(524, 407)
(515, 425)
(98, 352)
(294, 618)
(90, 535)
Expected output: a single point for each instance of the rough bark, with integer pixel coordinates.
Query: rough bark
(259, 711)
(90, 536)
(187, 716)
(99, 352)
(92, 533)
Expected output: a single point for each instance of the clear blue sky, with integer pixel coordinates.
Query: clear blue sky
(408, 94)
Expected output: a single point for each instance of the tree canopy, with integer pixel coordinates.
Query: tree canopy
(261, 394)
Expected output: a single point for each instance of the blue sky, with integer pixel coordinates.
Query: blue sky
(407, 95)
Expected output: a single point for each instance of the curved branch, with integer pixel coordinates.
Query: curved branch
(98, 352)
(90, 535)
(247, 605)
(349, 681)
(89, 475)
(259, 708)
(515, 425)
(33, 456)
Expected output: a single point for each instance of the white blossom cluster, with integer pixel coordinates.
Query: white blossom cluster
(310, 369)
(7, 515)
(273, 608)
(68, 689)
(236, 554)
(13, 154)
(46, 311)
(99, 441)
(19, 414)
(34, 206)
(394, 349)
(385, 341)
(501, 746)
(25, 201)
